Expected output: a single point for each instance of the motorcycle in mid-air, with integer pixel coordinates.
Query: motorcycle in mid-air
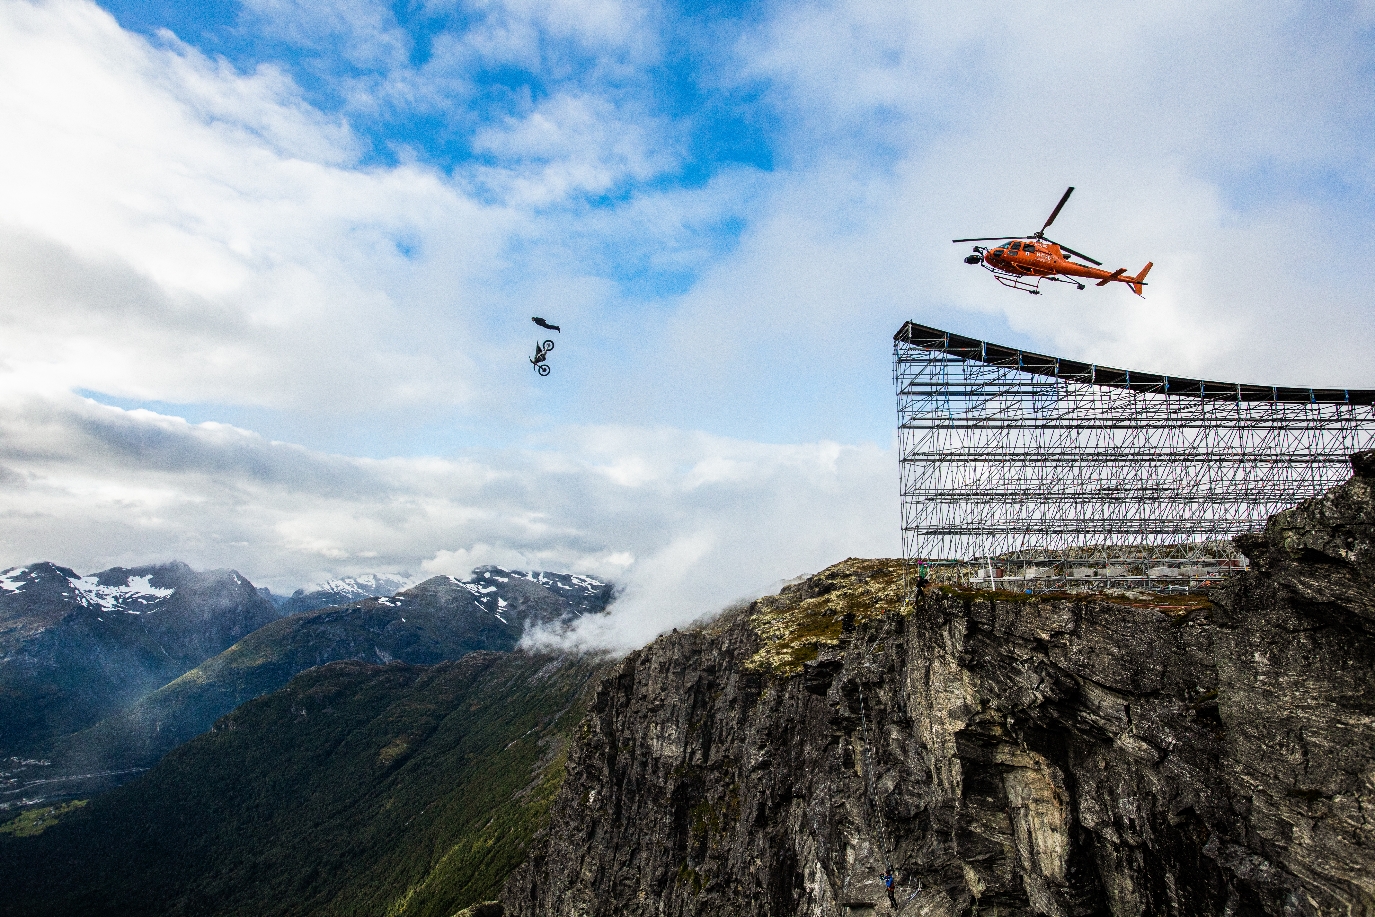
(541, 356)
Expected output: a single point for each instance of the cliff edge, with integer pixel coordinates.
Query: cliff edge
(998, 753)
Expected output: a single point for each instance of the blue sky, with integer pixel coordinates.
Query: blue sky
(252, 250)
(326, 58)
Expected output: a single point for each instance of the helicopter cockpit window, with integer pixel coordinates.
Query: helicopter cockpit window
(1016, 247)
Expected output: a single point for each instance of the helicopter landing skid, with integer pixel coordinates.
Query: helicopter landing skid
(1027, 283)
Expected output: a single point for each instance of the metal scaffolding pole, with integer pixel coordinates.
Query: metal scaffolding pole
(1048, 473)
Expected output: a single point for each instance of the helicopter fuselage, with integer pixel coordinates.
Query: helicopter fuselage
(1039, 259)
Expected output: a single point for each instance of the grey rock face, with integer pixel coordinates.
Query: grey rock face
(1000, 753)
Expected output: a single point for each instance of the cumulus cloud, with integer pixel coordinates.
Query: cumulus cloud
(569, 145)
(179, 231)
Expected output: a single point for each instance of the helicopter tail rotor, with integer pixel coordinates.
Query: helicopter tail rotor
(1140, 279)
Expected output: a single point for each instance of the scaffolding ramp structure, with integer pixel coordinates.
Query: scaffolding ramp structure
(1030, 472)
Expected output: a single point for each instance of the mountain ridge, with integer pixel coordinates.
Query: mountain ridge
(74, 649)
(358, 788)
(442, 618)
(343, 590)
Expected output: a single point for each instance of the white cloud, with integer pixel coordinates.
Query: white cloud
(1230, 146)
(521, 31)
(178, 231)
(364, 32)
(577, 146)
(705, 520)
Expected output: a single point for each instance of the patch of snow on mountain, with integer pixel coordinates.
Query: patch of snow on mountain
(565, 582)
(137, 592)
(347, 589)
(13, 579)
(587, 583)
(143, 585)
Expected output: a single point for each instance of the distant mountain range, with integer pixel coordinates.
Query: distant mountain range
(75, 649)
(344, 590)
(96, 698)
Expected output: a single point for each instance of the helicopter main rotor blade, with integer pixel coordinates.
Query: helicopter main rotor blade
(1068, 250)
(989, 239)
(1056, 212)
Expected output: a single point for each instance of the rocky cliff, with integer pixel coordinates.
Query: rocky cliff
(1000, 753)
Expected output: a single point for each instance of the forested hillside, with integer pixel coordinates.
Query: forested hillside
(357, 789)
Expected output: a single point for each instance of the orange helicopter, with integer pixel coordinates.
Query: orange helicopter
(1022, 262)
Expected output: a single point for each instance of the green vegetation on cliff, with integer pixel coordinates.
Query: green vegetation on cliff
(35, 821)
(357, 789)
(795, 624)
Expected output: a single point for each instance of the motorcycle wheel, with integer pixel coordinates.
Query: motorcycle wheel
(548, 345)
(543, 369)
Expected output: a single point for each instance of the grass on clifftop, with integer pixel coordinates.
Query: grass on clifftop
(806, 616)
(795, 624)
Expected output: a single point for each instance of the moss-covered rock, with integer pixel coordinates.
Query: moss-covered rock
(794, 625)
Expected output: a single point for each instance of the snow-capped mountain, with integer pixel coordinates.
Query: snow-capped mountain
(492, 587)
(442, 618)
(344, 590)
(74, 649)
(115, 590)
